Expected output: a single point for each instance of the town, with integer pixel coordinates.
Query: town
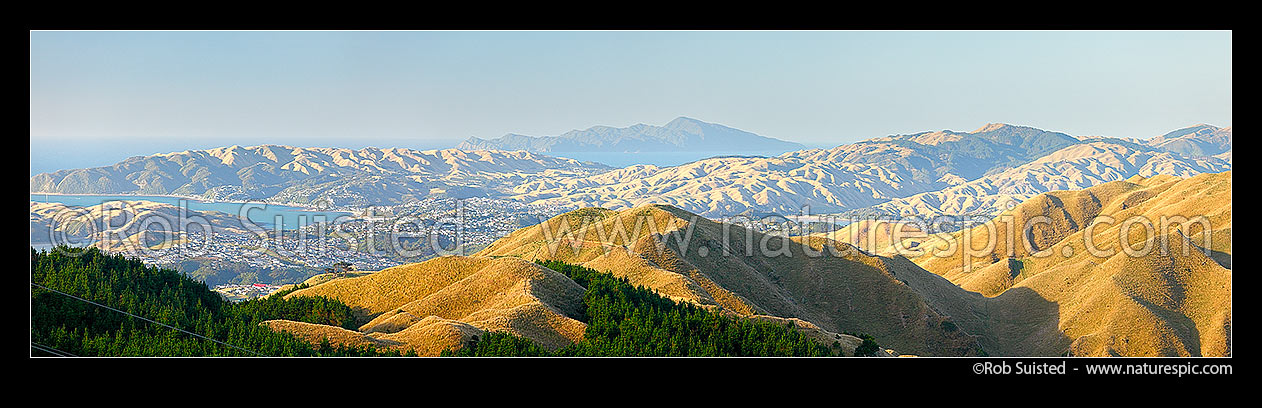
(375, 238)
(237, 293)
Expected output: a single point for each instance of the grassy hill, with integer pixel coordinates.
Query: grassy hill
(1042, 291)
(713, 267)
(423, 304)
(484, 306)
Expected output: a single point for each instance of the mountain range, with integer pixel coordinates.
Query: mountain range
(928, 173)
(980, 172)
(301, 175)
(1074, 167)
(122, 226)
(1199, 140)
(683, 133)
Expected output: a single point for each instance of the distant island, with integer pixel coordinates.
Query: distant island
(683, 133)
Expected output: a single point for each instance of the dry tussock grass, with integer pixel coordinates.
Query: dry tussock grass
(832, 293)
(427, 337)
(440, 303)
(315, 333)
(1158, 304)
(390, 288)
(508, 294)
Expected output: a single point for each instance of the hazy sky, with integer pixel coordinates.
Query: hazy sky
(97, 97)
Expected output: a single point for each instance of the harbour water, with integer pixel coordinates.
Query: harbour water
(262, 214)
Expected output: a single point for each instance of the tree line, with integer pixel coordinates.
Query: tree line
(622, 319)
(80, 328)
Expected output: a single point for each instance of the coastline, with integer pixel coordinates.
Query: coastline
(296, 206)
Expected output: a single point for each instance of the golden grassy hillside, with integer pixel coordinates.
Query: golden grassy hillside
(425, 305)
(1045, 292)
(314, 333)
(373, 294)
(325, 277)
(428, 337)
(650, 246)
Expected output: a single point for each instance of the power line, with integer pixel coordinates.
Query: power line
(142, 318)
(51, 350)
(54, 352)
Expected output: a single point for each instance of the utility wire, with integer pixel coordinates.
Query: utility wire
(54, 352)
(142, 318)
(51, 350)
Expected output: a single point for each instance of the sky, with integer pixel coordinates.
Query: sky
(99, 97)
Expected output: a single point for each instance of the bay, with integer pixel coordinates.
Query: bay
(262, 214)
